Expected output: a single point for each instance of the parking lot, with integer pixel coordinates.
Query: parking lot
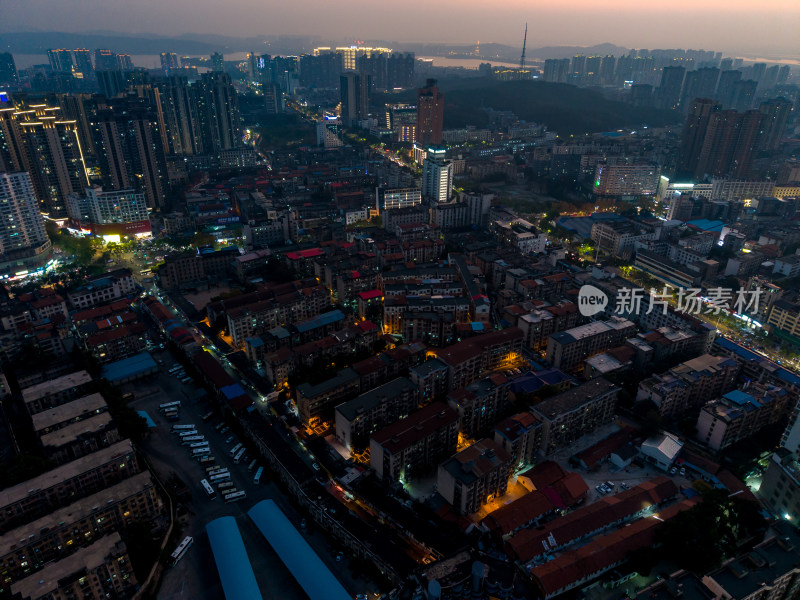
(630, 476)
(196, 576)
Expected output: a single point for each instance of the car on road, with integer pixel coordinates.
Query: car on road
(683, 471)
(316, 466)
(673, 470)
(600, 490)
(229, 439)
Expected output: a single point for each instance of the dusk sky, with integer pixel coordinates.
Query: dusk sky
(764, 27)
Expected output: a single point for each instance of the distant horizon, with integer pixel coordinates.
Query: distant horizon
(322, 41)
(735, 27)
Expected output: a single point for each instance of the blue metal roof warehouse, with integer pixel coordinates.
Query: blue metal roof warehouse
(310, 572)
(233, 564)
(129, 369)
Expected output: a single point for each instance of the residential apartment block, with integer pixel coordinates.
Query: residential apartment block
(689, 385)
(568, 349)
(43, 494)
(474, 475)
(570, 415)
(480, 404)
(359, 418)
(412, 446)
(740, 414)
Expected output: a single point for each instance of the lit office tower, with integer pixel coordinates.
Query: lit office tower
(217, 62)
(729, 144)
(60, 60)
(83, 62)
(22, 233)
(169, 61)
(354, 95)
(758, 70)
(700, 83)
(773, 123)
(105, 60)
(387, 71)
(694, 132)
(182, 126)
(726, 87)
(770, 78)
(783, 73)
(35, 139)
(577, 69)
(607, 69)
(111, 82)
(130, 149)
(669, 90)
(218, 112)
(8, 69)
(124, 62)
(80, 108)
(592, 76)
(744, 93)
(556, 70)
(437, 175)
(430, 113)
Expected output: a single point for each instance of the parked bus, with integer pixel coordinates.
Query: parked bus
(207, 417)
(226, 487)
(215, 468)
(199, 445)
(169, 405)
(191, 439)
(172, 415)
(183, 434)
(236, 448)
(238, 458)
(257, 476)
(174, 369)
(235, 496)
(217, 477)
(219, 426)
(181, 550)
(252, 464)
(207, 487)
(204, 460)
(201, 451)
(182, 427)
(186, 380)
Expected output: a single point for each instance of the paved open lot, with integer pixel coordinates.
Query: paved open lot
(195, 577)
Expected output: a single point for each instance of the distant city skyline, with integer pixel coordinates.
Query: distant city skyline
(765, 29)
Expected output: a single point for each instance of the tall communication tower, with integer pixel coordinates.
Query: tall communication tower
(524, 43)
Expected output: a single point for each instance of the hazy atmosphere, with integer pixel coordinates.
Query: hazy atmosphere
(765, 28)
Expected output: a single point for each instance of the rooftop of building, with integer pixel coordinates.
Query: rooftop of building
(476, 461)
(42, 583)
(65, 472)
(376, 396)
(427, 368)
(129, 367)
(515, 426)
(344, 377)
(769, 560)
(69, 411)
(71, 433)
(592, 329)
(54, 386)
(573, 399)
(416, 427)
(66, 516)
